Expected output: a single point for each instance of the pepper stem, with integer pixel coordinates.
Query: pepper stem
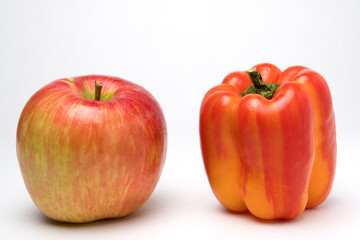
(266, 90)
(98, 87)
(255, 77)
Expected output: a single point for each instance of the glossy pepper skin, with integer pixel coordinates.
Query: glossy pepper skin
(273, 157)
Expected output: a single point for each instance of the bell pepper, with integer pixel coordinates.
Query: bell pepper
(268, 141)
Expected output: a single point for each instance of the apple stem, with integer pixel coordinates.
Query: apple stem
(98, 87)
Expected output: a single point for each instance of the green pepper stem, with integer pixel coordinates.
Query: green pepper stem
(256, 78)
(266, 90)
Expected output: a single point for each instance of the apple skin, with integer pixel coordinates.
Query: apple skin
(84, 160)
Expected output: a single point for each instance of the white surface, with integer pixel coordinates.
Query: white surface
(178, 50)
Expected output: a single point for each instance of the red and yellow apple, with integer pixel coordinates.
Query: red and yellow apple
(86, 156)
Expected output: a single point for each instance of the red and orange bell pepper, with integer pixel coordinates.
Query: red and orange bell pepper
(269, 148)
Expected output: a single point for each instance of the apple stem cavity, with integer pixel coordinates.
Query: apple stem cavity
(98, 87)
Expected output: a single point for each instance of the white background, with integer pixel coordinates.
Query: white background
(178, 50)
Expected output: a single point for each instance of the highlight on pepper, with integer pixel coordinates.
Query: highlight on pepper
(268, 141)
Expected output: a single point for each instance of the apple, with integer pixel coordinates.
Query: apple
(89, 151)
